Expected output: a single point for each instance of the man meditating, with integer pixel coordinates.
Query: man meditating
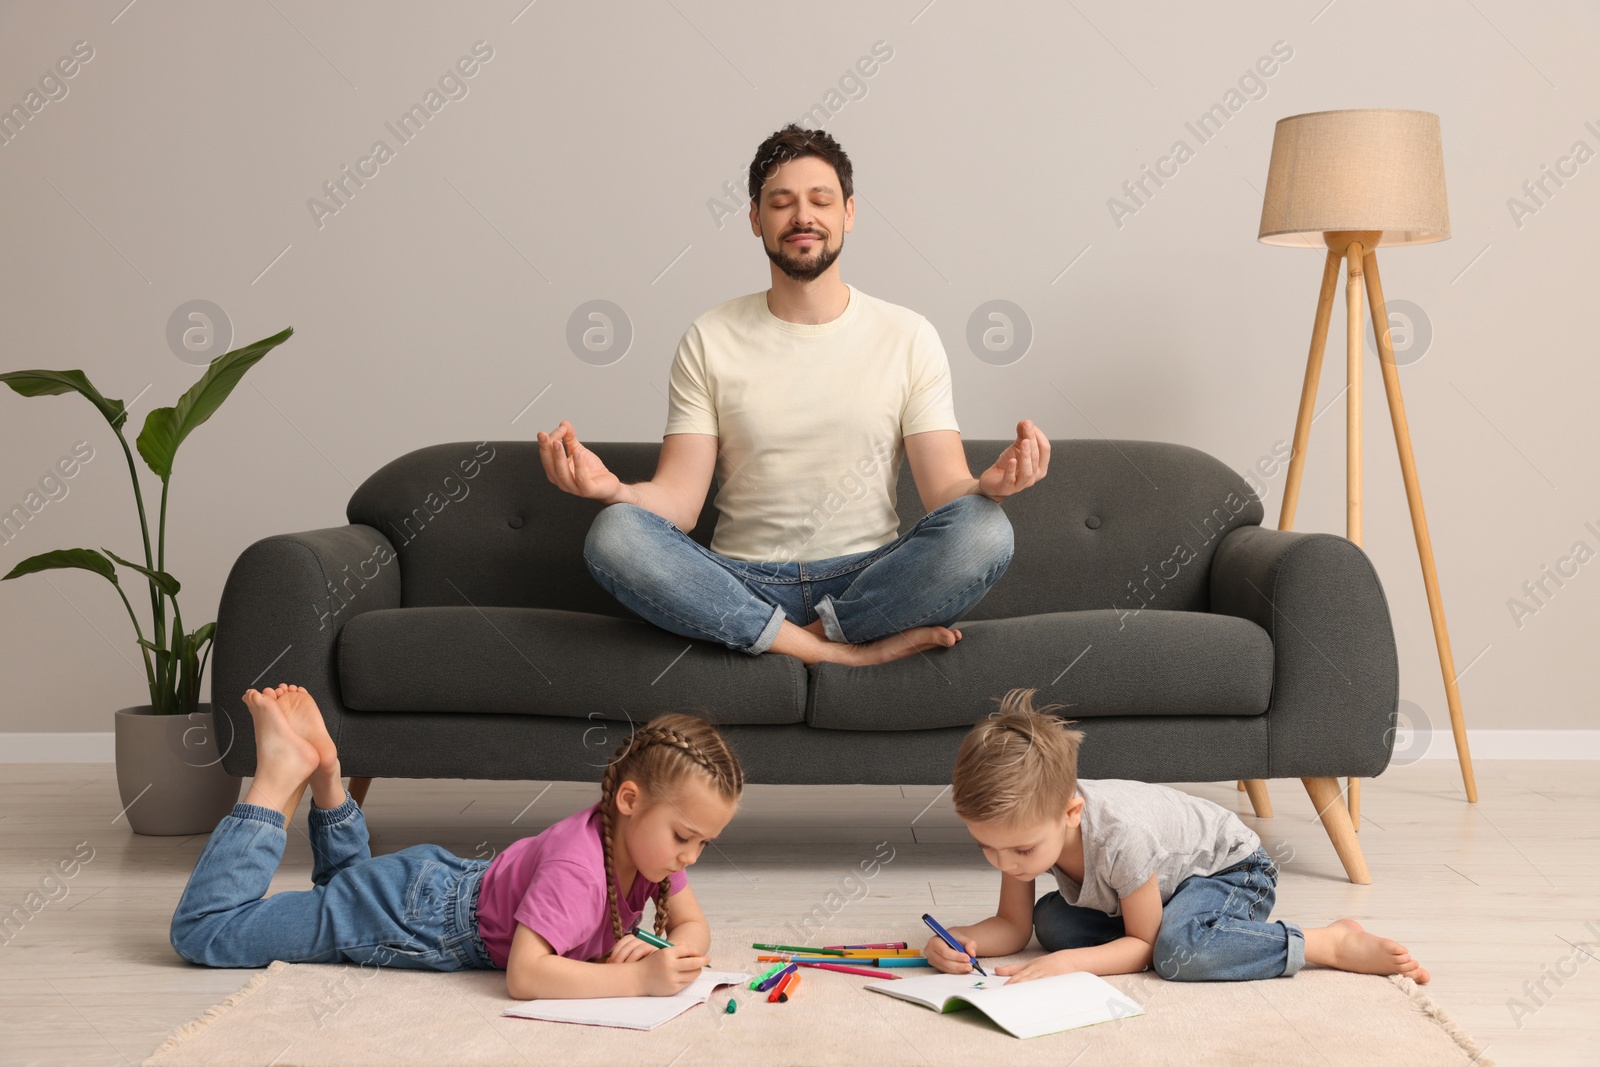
(802, 400)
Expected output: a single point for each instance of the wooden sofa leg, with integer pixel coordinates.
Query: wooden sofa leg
(1329, 801)
(1259, 799)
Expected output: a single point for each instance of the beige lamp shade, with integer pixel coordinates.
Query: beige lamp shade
(1370, 169)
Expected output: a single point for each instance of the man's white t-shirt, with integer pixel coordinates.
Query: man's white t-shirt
(810, 421)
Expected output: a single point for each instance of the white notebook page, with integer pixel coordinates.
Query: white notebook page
(634, 1013)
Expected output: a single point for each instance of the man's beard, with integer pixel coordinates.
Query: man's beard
(808, 269)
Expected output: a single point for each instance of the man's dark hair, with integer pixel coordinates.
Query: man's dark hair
(792, 142)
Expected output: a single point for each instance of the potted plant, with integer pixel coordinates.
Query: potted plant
(169, 759)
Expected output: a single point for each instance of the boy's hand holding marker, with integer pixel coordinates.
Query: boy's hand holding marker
(946, 959)
(959, 950)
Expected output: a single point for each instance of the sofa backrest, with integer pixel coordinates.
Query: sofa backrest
(1115, 524)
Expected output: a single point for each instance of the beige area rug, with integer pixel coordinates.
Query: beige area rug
(312, 1015)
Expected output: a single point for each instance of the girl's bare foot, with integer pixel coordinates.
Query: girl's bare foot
(1347, 945)
(306, 719)
(327, 783)
(284, 759)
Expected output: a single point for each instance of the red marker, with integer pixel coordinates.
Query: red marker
(783, 987)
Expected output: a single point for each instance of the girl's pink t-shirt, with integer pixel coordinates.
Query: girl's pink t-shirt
(554, 883)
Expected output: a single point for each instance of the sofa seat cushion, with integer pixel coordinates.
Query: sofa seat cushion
(1103, 663)
(569, 664)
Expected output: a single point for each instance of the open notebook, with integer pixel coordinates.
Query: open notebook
(634, 1013)
(1028, 1009)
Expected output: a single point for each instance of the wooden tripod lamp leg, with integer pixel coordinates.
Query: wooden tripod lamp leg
(1257, 788)
(1352, 433)
(1419, 522)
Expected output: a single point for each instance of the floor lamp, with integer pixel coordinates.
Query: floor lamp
(1348, 181)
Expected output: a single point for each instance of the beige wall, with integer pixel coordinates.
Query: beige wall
(579, 165)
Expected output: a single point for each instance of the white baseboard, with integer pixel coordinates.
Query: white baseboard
(1486, 744)
(1502, 744)
(58, 748)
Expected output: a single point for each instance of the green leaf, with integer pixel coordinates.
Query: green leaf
(65, 559)
(56, 382)
(164, 581)
(203, 634)
(165, 428)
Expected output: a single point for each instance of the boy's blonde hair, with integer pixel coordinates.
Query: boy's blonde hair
(1018, 765)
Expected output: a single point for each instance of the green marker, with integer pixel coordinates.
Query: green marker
(650, 939)
(768, 973)
(732, 1004)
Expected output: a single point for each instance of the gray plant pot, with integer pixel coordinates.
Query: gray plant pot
(170, 773)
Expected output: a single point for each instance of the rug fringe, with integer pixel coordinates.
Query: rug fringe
(1425, 1004)
(192, 1028)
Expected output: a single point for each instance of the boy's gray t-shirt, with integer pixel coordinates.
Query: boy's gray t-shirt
(1132, 830)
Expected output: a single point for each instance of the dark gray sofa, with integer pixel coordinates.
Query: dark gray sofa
(451, 630)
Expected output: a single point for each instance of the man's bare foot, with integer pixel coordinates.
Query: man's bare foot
(284, 759)
(1347, 945)
(807, 646)
(900, 645)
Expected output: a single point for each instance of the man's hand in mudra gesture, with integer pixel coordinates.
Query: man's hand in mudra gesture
(1023, 462)
(575, 469)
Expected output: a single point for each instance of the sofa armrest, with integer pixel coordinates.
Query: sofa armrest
(1336, 677)
(284, 603)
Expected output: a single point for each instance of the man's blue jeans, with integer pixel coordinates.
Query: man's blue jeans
(1213, 929)
(930, 575)
(416, 908)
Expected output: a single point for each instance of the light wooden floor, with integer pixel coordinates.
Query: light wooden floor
(1489, 897)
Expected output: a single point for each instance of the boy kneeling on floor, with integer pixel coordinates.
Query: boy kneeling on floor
(1148, 875)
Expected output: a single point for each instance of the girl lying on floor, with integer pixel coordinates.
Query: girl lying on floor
(550, 910)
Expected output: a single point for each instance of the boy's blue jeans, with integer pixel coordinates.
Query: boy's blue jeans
(1213, 929)
(416, 908)
(928, 576)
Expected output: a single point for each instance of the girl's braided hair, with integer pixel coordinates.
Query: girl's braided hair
(658, 758)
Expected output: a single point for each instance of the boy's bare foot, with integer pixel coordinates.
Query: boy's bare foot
(306, 719)
(809, 645)
(284, 759)
(1347, 945)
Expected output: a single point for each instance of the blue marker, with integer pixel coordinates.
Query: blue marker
(933, 924)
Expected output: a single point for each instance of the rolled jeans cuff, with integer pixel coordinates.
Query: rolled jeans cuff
(830, 620)
(769, 633)
(1297, 949)
(333, 816)
(259, 813)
